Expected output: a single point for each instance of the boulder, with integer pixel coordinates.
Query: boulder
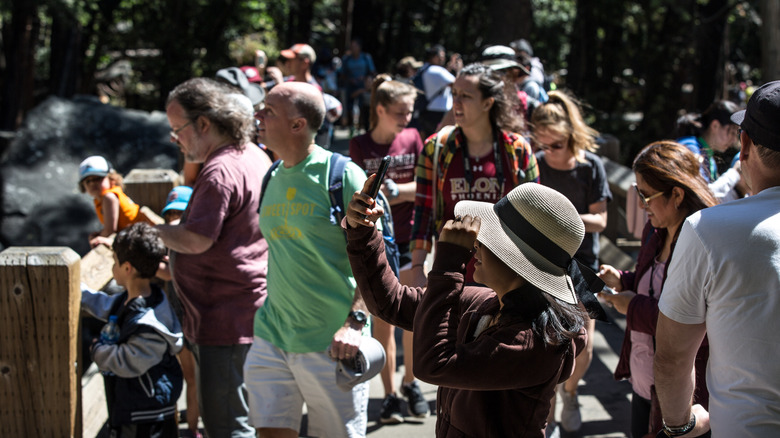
(41, 203)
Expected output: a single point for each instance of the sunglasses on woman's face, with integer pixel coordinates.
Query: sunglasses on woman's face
(555, 146)
(645, 200)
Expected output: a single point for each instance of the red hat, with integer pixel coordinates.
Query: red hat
(252, 74)
(300, 51)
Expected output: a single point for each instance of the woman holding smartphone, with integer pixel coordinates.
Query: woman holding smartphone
(391, 108)
(496, 351)
(670, 187)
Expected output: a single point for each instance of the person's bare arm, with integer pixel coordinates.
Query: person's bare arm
(110, 214)
(406, 193)
(595, 219)
(181, 240)
(676, 346)
(346, 341)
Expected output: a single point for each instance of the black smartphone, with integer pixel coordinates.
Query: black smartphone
(380, 176)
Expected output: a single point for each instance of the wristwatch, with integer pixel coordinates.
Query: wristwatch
(673, 431)
(358, 316)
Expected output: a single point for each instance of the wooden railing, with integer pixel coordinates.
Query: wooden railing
(41, 391)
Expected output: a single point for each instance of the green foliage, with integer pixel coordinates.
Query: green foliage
(552, 27)
(619, 57)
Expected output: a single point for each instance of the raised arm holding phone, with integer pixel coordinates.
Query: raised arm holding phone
(496, 351)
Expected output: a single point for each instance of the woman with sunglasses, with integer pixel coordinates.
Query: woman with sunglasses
(669, 187)
(567, 164)
(478, 159)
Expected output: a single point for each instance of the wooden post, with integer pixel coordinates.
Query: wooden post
(150, 187)
(40, 301)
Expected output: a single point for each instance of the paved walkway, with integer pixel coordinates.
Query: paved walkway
(604, 402)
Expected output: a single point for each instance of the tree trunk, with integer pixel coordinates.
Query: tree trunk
(466, 36)
(770, 35)
(510, 20)
(709, 46)
(19, 81)
(347, 7)
(663, 76)
(66, 56)
(299, 21)
(438, 22)
(582, 68)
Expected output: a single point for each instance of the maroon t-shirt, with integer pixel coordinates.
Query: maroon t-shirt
(484, 187)
(404, 149)
(221, 289)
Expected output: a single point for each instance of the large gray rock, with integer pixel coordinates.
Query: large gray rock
(41, 203)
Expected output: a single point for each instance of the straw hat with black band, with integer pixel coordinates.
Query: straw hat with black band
(536, 231)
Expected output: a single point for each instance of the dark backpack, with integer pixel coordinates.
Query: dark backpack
(337, 165)
(421, 102)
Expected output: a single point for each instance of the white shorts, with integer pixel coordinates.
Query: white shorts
(279, 383)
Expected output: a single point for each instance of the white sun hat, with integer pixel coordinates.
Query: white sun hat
(534, 230)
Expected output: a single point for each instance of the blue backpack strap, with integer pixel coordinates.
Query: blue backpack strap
(266, 178)
(336, 186)
(388, 234)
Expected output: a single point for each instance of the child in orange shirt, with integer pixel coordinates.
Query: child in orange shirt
(114, 208)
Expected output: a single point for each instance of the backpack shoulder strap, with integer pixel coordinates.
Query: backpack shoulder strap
(266, 178)
(337, 165)
(441, 140)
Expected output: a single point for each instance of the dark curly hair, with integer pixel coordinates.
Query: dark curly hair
(490, 84)
(140, 244)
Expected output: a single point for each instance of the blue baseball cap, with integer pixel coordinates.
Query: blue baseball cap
(178, 198)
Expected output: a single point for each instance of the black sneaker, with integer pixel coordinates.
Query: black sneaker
(391, 410)
(418, 406)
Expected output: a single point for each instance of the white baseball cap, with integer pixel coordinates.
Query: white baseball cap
(94, 165)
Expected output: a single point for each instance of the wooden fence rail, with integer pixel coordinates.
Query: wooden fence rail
(42, 393)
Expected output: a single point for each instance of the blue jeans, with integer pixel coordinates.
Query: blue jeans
(222, 393)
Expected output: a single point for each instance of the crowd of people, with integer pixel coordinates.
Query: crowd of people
(278, 270)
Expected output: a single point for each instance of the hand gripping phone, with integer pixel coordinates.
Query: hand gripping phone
(380, 176)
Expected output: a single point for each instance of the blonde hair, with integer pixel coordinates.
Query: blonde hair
(385, 91)
(561, 115)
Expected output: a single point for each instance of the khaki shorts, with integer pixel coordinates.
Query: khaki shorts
(279, 383)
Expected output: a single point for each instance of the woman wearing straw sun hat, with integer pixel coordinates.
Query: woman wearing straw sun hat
(495, 352)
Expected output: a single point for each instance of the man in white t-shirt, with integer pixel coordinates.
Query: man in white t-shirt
(724, 281)
(436, 81)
